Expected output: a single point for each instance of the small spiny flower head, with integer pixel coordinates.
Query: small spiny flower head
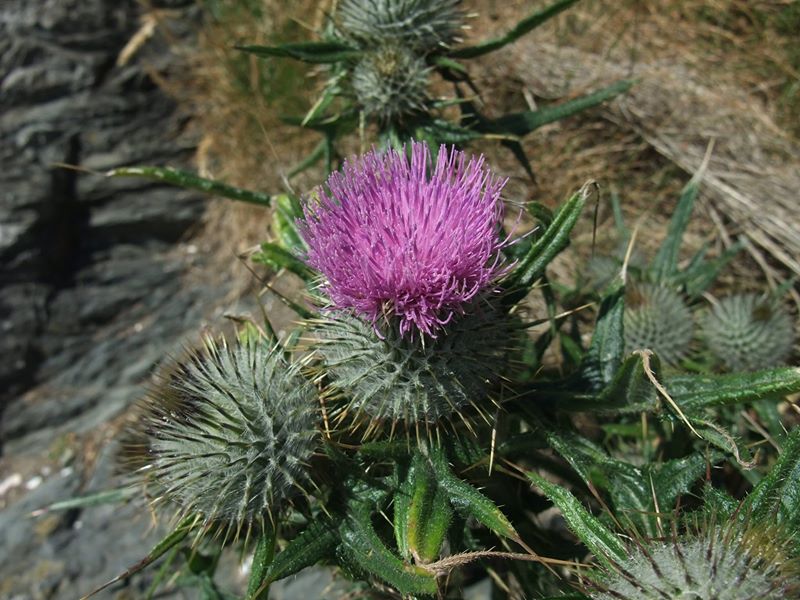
(421, 25)
(227, 434)
(734, 561)
(657, 319)
(400, 239)
(390, 83)
(749, 332)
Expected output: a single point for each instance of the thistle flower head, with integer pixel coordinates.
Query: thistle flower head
(749, 332)
(228, 433)
(422, 25)
(390, 82)
(395, 240)
(656, 318)
(735, 561)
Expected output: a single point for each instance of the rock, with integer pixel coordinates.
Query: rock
(96, 285)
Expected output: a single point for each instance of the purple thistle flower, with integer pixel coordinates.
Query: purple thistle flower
(390, 239)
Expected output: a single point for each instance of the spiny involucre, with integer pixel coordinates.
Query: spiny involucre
(228, 433)
(657, 319)
(391, 379)
(421, 25)
(749, 332)
(734, 561)
(390, 82)
(394, 242)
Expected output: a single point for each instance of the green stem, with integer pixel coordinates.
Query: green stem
(258, 587)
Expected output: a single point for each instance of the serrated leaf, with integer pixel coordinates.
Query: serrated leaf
(694, 392)
(364, 547)
(777, 495)
(427, 514)
(257, 588)
(277, 258)
(522, 123)
(189, 180)
(554, 239)
(317, 542)
(284, 223)
(312, 52)
(602, 542)
(117, 495)
(469, 500)
(439, 131)
(524, 26)
(604, 358)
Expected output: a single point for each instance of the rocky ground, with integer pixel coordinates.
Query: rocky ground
(99, 280)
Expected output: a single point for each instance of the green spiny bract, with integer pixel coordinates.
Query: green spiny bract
(747, 332)
(384, 378)
(421, 25)
(390, 82)
(657, 319)
(229, 432)
(736, 561)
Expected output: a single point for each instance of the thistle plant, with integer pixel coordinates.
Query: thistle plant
(746, 332)
(394, 431)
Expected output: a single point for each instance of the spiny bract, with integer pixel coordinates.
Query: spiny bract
(390, 82)
(391, 378)
(657, 319)
(748, 332)
(399, 236)
(730, 562)
(229, 432)
(421, 25)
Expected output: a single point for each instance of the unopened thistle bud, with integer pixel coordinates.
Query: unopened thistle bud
(657, 319)
(390, 82)
(747, 332)
(229, 433)
(734, 561)
(420, 25)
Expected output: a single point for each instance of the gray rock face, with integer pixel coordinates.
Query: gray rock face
(93, 280)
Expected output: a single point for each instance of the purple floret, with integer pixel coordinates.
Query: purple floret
(389, 239)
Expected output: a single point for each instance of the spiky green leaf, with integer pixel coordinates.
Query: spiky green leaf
(317, 542)
(364, 547)
(311, 52)
(604, 358)
(694, 392)
(665, 263)
(602, 542)
(189, 180)
(554, 239)
(524, 26)
(277, 258)
(522, 123)
(778, 494)
(470, 501)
